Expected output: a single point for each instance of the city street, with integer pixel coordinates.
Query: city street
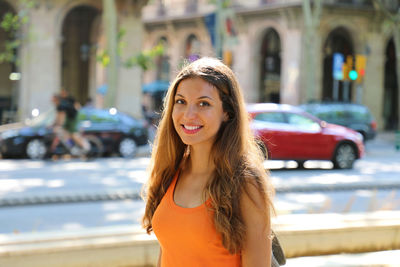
(84, 79)
(71, 194)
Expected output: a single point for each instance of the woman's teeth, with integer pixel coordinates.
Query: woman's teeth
(191, 128)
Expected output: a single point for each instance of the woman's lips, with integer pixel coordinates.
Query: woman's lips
(191, 129)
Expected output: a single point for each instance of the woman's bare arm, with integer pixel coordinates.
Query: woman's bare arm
(256, 215)
(159, 258)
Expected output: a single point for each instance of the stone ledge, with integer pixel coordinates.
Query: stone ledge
(323, 234)
(300, 235)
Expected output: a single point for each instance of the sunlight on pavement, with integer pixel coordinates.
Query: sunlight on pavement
(118, 216)
(11, 185)
(334, 178)
(138, 176)
(110, 181)
(55, 183)
(287, 207)
(112, 206)
(81, 165)
(132, 163)
(312, 164)
(374, 167)
(72, 226)
(307, 198)
(300, 203)
(374, 259)
(12, 165)
(326, 178)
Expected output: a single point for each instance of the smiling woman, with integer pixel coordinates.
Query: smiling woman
(208, 198)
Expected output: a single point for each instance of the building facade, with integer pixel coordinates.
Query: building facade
(266, 42)
(266, 45)
(61, 46)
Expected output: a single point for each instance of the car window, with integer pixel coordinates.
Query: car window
(302, 122)
(331, 114)
(98, 116)
(128, 120)
(43, 120)
(270, 117)
(358, 113)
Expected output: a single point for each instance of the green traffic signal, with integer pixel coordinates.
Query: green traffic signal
(353, 75)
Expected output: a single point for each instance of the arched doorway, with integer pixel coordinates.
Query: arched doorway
(78, 51)
(9, 76)
(270, 67)
(338, 41)
(192, 48)
(391, 91)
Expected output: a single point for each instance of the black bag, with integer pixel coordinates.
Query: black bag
(278, 256)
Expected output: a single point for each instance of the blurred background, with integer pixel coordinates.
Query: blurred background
(323, 72)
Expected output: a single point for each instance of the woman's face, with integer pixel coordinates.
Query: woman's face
(197, 112)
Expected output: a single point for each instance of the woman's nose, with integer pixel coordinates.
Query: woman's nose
(190, 112)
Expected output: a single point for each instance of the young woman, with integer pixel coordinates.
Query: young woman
(208, 196)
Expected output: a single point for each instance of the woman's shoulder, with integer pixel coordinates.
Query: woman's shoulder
(255, 188)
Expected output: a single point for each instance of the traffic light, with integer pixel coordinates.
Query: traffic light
(347, 68)
(227, 57)
(353, 75)
(361, 62)
(354, 68)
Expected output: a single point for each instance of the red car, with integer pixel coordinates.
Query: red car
(289, 133)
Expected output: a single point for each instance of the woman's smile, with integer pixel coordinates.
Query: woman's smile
(191, 129)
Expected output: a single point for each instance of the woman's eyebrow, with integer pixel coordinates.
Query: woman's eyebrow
(201, 97)
(204, 96)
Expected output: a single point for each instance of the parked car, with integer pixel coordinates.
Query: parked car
(290, 133)
(117, 131)
(354, 116)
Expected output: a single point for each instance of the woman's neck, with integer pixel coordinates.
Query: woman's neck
(200, 161)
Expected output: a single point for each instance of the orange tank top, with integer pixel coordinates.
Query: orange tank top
(188, 236)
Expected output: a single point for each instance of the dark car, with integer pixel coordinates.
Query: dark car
(354, 116)
(290, 133)
(117, 131)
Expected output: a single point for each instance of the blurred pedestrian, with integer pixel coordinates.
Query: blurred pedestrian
(208, 198)
(66, 123)
(58, 123)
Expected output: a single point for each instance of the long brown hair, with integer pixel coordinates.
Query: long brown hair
(237, 157)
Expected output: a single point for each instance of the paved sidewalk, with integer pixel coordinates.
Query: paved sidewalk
(383, 144)
(389, 258)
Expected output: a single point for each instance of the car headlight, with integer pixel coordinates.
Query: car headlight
(9, 134)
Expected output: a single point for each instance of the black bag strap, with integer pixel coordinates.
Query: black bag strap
(278, 256)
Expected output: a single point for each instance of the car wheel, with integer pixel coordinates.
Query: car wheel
(344, 157)
(36, 149)
(127, 148)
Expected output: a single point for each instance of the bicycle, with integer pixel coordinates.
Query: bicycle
(60, 147)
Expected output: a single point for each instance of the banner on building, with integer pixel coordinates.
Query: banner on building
(210, 21)
(229, 28)
(337, 68)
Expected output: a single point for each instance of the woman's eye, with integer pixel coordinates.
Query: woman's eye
(204, 104)
(179, 101)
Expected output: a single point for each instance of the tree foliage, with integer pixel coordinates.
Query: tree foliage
(12, 25)
(144, 59)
